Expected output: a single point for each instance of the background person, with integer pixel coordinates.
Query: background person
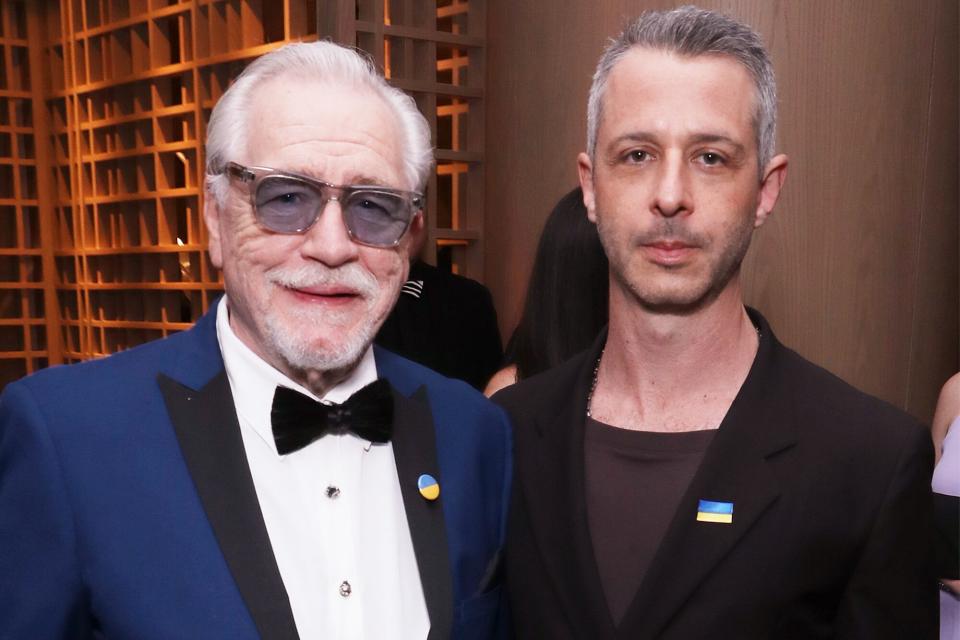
(566, 300)
(946, 488)
(445, 322)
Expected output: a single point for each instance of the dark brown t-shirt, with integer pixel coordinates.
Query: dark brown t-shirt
(634, 481)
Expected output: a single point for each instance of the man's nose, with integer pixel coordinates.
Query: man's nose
(328, 241)
(671, 192)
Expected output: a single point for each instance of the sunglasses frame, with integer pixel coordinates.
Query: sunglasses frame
(253, 176)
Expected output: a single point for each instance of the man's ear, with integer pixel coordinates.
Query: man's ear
(774, 175)
(416, 235)
(585, 171)
(211, 216)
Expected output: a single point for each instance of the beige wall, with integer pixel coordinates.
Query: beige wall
(858, 270)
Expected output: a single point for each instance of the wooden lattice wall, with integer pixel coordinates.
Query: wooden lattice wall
(29, 339)
(434, 50)
(103, 107)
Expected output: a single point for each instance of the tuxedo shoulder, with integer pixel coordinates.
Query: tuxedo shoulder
(99, 397)
(455, 290)
(131, 367)
(470, 289)
(827, 403)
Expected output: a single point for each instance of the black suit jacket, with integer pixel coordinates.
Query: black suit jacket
(445, 322)
(831, 532)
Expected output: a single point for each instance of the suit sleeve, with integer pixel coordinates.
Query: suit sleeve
(41, 591)
(892, 593)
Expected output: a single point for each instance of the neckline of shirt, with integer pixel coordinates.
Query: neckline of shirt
(253, 380)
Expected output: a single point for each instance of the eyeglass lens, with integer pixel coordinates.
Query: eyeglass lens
(286, 204)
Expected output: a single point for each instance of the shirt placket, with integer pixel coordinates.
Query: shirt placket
(341, 500)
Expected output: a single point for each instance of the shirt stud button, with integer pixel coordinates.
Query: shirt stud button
(345, 589)
(333, 492)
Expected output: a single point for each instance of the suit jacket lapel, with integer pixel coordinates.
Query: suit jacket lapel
(200, 404)
(560, 524)
(206, 425)
(735, 469)
(415, 452)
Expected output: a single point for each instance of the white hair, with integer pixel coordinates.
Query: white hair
(689, 31)
(327, 62)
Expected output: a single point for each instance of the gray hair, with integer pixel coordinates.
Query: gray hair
(328, 62)
(690, 31)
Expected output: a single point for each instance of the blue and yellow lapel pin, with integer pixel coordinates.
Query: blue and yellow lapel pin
(710, 511)
(429, 487)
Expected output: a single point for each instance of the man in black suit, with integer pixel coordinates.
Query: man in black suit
(690, 477)
(445, 322)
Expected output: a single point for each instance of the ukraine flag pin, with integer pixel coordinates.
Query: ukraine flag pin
(429, 488)
(709, 511)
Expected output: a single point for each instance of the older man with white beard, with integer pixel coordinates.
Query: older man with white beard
(268, 473)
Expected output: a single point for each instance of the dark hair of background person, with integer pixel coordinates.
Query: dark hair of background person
(566, 301)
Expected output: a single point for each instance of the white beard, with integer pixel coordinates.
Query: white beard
(299, 353)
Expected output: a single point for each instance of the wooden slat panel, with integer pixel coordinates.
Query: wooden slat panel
(45, 189)
(127, 95)
(934, 348)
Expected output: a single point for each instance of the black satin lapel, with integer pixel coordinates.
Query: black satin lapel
(415, 452)
(737, 468)
(206, 425)
(553, 489)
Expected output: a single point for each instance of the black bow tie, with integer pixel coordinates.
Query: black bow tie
(298, 420)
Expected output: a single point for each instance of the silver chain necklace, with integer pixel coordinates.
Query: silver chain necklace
(596, 374)
(593, 384)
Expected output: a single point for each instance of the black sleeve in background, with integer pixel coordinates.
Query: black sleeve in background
(450, 328)
(946, 515)
(487, 350)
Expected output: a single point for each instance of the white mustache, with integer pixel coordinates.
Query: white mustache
(351, 276)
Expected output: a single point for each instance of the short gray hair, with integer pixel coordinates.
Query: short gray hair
(327, 62)
(690, 31)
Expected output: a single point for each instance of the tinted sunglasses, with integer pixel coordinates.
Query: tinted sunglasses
(290, 203)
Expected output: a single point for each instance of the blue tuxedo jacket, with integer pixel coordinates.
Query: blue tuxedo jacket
(127, 509)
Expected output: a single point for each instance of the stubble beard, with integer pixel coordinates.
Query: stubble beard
(685, 298)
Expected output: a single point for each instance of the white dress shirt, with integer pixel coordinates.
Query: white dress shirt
(333, 511)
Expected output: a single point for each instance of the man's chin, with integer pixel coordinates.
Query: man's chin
(681, 294)
(321, 347)
(304, 363)
(676, 302)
